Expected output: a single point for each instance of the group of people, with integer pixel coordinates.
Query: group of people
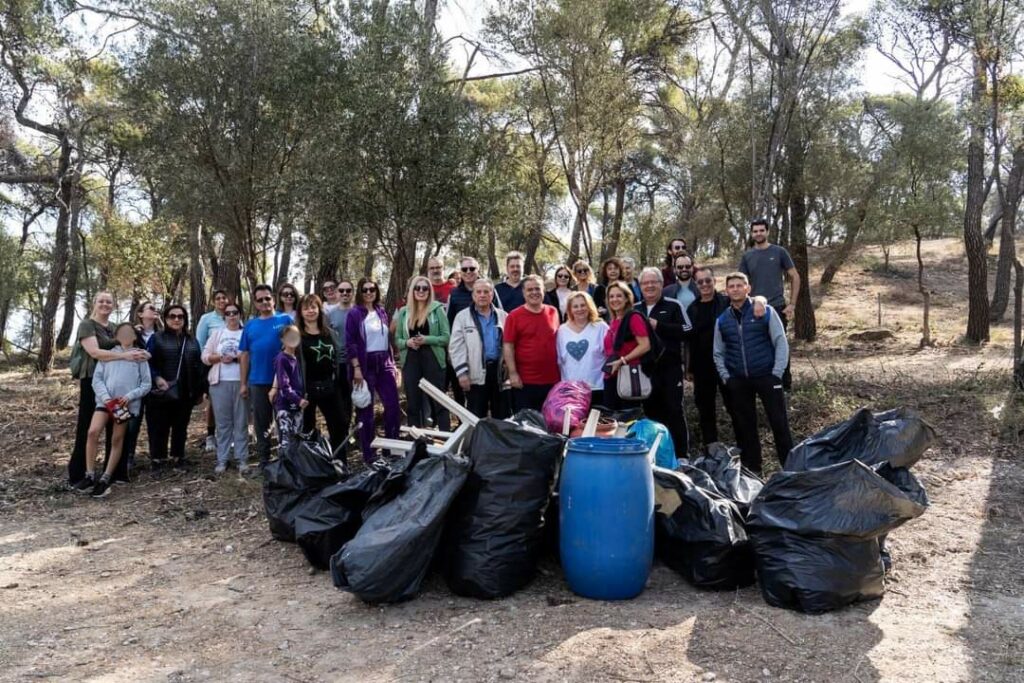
(633, 338)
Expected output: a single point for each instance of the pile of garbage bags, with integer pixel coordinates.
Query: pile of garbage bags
(815, 533)
(812, 537)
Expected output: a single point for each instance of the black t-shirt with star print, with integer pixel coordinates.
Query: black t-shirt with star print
(318, 357)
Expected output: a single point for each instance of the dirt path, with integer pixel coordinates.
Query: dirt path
(178, 580)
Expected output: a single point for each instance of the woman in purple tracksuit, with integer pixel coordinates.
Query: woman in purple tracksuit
(371, 361)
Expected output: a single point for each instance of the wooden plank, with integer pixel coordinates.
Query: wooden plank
(454, 408)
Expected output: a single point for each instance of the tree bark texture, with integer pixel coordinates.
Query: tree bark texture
(974, 240)
(1007, 242)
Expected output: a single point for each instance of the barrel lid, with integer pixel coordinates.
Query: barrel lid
(608, 446)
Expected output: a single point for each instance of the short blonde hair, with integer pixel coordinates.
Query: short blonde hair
(593, 315)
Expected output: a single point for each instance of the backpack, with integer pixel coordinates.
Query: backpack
(77, 364)
(624, 334)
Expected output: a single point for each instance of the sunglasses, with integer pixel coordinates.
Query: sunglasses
(264, 299)
(287, 295)
(706, 281)
(469, 269)
(562, 275)
(175, 316)
(683, 267)
(230, 312)
(345, 290)
(420, 288)
(368, 290)
(330, 288)
(581, 271)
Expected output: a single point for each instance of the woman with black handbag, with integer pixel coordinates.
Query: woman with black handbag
(318, 363)
(625, 345)
(179, 382)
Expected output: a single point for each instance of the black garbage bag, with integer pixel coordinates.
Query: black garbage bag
(389, 556)
(698, 476)
(291, 480)
(732, 479)
(816, 533)
(396, 478)
(528, 417)
(330, 519)
(899, 437)
(495, 530)
(699, 533)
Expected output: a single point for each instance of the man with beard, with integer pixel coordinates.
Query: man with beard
(765, 265)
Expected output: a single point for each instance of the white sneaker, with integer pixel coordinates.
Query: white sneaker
(211, 444)
(220, 469)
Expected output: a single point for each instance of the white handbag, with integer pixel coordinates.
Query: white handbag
(632, 383)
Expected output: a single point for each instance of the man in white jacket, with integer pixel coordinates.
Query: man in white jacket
(475, 350)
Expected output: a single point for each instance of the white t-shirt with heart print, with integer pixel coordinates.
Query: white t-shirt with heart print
(581, 355)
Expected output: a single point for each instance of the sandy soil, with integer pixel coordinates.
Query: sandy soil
(178, 579)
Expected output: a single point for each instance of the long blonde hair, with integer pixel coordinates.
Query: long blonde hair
(416, 313)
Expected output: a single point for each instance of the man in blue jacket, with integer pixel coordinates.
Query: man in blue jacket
(750, 355)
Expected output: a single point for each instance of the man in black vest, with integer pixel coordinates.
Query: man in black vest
(700, 342)
(669, 322)
(750, 355)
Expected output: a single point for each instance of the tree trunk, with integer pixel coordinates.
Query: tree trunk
(286, 252)
(844, 250)
(492, 257)
(401, 270)
(1018, 321)
(74, 264)
(926, 295)
(974, 240)
(228, 275)
(610, 245)
(59, 263)
(196, 276)
(174, 286)
(1007, 243)
(805, 326)
(577, 233)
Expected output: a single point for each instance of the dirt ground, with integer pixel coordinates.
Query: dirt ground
(178, 580)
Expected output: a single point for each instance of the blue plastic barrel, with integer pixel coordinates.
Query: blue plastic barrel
(606, 517)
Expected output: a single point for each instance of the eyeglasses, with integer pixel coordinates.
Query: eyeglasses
(330, 288)
(345, 290)
(421, 288)
(706, 281)
(368, 290)
(231, 313)
(175, 316)
(264, 299)
(468, 269)
(287, 295)
(581, 271)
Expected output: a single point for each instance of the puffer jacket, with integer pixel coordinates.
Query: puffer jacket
(166, 348)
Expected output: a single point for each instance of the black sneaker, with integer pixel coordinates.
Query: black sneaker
(101, 489)
(84, 485)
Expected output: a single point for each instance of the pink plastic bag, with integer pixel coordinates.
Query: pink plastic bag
(572, 395)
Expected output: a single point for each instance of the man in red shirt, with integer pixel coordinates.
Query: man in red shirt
(442, 287)
(529, 347)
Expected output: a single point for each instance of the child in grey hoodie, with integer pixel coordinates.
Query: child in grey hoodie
(119, 386)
